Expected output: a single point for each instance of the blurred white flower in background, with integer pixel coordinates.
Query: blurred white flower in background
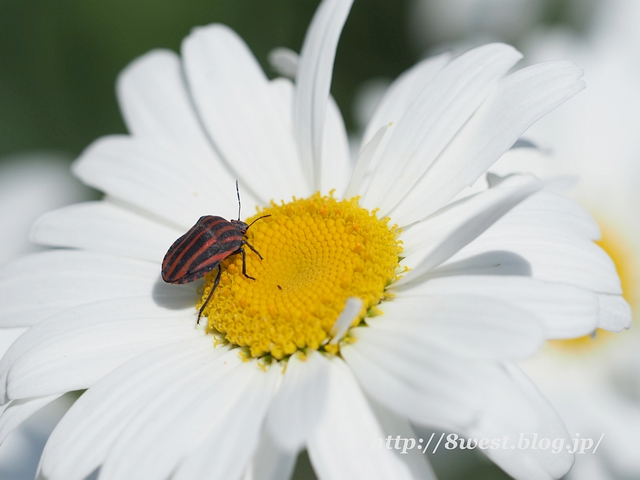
(445, 21)
(30, 185)
(595, 384)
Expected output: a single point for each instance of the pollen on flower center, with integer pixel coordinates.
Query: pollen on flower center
(317, 252)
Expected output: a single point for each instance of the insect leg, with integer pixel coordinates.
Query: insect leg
(251, 247)
(206, 302)
(244, 262)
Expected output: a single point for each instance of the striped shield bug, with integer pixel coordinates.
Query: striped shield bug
(203, 247)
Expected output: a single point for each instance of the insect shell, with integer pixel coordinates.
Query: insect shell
(203, 247)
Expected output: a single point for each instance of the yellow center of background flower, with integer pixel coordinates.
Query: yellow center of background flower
(317, 252)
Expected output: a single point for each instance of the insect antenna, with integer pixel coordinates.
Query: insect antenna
(239, 204)
(259, 218)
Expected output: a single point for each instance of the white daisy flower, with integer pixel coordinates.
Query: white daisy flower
(594, 382)
(383, 297)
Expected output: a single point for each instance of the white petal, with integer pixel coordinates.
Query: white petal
(228, 455)
(593, 467)
(497, 407)
(72, 350)
(155, 102)
(43, 284)
(269, 462)
(8, 336)
(241, 115)
(171, 425)
(336, 156)
(282, 89)
(492, 262)
(232, 441)
(615, 313)
(313, 81)
(552, 209)
(396, 101)
(345, 443)
(563, 310)
(365, 159)
(284, 61)
(336, 163)
(555, 211)
(105, 227)
(298, 405)
(157, 105)
(516, 103)
(553, 255)
(402, 92)
(85, 435)
(423, 382)
(440, 236)
(468, 324)
(18, 411)
(516, 410)
(394, 425)
(433, 120)
(32, 183)
(349, 314)
(159, 178)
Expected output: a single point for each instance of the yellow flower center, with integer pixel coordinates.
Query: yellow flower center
(623, 259)
(317, 252)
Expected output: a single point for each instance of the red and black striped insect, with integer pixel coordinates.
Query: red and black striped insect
(203, 247)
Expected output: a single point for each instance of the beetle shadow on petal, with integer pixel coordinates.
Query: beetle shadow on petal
(175, 297)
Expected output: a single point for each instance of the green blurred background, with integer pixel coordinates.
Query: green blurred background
(59, 59)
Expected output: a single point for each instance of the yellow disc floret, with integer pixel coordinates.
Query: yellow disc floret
(317, 252)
